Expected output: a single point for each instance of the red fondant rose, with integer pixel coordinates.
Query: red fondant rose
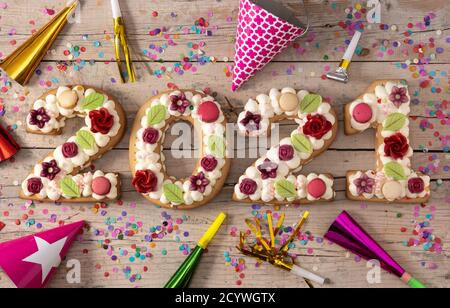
(101, 121)
(145, 181)
(396, 146)
(317, 126)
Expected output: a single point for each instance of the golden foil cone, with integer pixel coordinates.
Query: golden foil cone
(24, 61)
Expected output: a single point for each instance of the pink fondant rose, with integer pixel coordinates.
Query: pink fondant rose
(70, 149)
(248, 187)
(286, 152)
(35, 185)
(209, 163)
(416, 185)
(151, 135)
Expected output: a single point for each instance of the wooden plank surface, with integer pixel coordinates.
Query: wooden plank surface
(301, 68)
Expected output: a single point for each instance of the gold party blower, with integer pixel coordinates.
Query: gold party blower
(120, 40)
(23, 62)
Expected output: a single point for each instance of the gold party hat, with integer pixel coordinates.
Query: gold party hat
(23, 62)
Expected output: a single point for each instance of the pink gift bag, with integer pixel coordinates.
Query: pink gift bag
(265, 29)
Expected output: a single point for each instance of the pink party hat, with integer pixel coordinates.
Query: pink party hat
(31, 261)
(262, 33)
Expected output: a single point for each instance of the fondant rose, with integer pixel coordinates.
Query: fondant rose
(145, 181)
(151, 135)
(101, 121)
(69, 149)
(35, 185)
(286, 152)
(317, 126)
(248, 187)
(416, 185)
(396, 146)
(209, 163)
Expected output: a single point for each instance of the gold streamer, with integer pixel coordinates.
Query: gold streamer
(121, 44)
(261, 250)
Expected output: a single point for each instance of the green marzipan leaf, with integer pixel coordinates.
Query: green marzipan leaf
(285, 189)
(395, 122)
(85, 140)
(217, 146)
(173, 193)
(301, 143)
(311, 103)
(93, 101)
(70, 188)
(395, 171)
(156, 115)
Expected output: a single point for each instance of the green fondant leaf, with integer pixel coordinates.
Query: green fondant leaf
(285, 189)
(93, 101)
(173, 193)
(395, 122)
(85, 140)
(301, 143)
(70, 188)
(311, 103)
(217, 146)
(156, 115)
(395, 170)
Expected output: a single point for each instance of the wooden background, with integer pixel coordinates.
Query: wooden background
(346, 153)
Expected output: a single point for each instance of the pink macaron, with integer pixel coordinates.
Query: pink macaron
(101, 186)
(208, 112)
(317, 188)
(362, 113)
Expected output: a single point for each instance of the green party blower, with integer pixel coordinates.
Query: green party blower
(183, 276)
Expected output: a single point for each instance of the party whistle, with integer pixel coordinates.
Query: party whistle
(341, 74)
(183, 276)
(120, 41)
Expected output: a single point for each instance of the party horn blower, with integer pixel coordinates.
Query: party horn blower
(341, 74)
(266, 250)
(121, 42)
(265, 29)
(183, 276)
(347, 233)
(31, 261)
(23, 62)
(8, 146)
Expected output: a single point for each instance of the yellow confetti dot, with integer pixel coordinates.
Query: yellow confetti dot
(358, 6)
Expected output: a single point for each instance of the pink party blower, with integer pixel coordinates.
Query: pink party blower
(347, 233)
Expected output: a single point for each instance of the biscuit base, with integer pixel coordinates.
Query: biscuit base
(315, 154)
(133, 150)
(111, 144)
(379, 140)
(379, 200)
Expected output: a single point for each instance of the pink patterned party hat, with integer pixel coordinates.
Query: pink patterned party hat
(31, 261)
(261, 35)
